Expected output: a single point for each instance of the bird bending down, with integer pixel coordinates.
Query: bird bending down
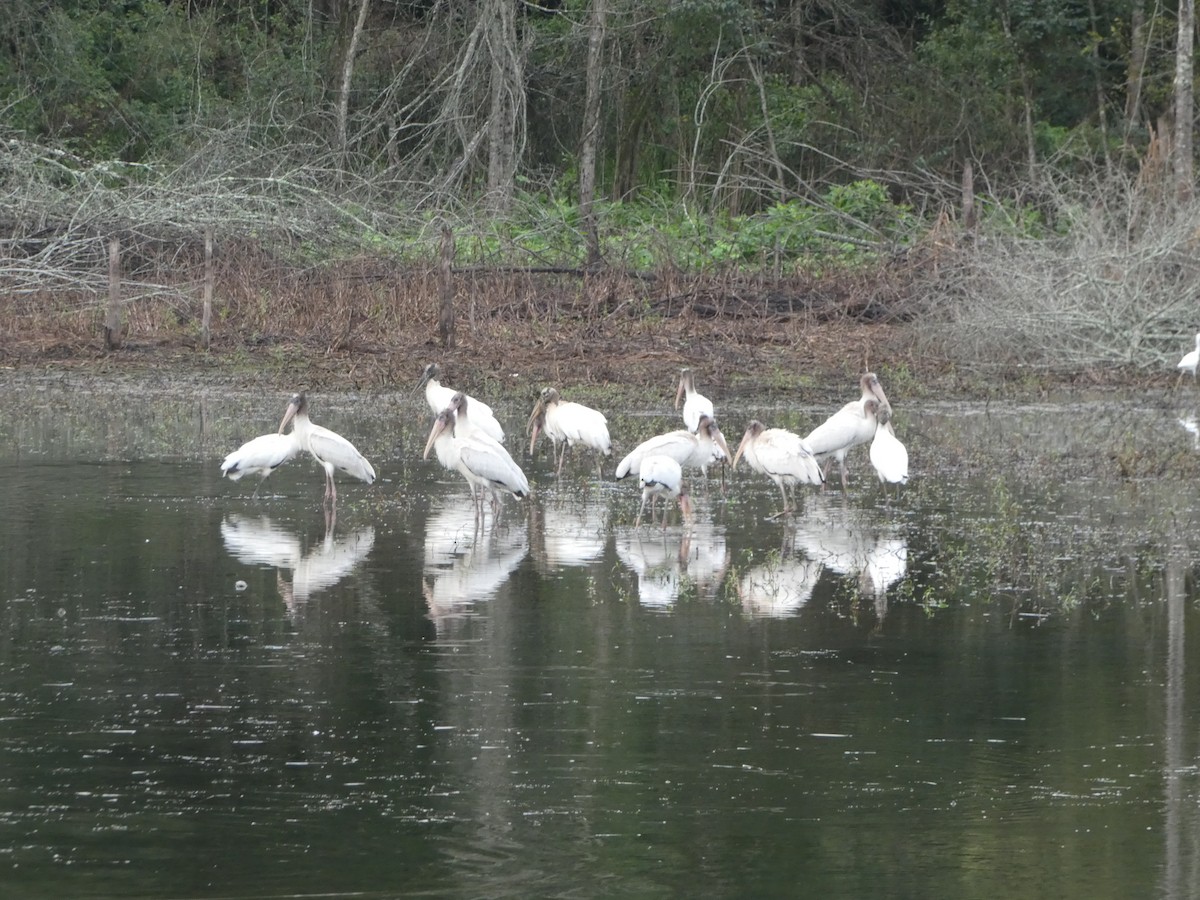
(568, 423)
(328, 448)
(888, 455)
(782, 456)
(696, 451)
(478, 457)
(661, 476)
(438, 396)
(1190, 361)
(695, 404)
(848, 427)
(260, 456)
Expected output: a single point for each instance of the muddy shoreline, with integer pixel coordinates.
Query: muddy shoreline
(767, 359)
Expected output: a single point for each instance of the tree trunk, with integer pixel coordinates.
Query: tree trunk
(1184, 114)
(1137, 67)
(1101, 102)
(591, 131)
(112, 322)
(507, 101)
(343, 97)
(1026, 92)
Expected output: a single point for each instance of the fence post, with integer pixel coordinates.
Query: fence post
(112, 322)
(446, 289)
(206, 315)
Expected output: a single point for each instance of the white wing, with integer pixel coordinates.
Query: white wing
(260, 456)
(489, 461)
(330, 447)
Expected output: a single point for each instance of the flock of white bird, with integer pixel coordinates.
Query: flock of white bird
(467, 438)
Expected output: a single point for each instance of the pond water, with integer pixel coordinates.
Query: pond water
(986, 686)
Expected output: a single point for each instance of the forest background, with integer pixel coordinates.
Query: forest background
(591, 191)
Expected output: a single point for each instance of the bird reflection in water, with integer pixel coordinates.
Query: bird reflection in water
(567, 531)
(668, 562)
(467, 560)
(258, 541)
(778, 587)
(851, 542)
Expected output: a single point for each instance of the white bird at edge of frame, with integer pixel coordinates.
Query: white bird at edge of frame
(661, 476)
(478, 457)
(568, 423)
(695, 404)
(696, 451)
(260, 456)
(888, 455)
(1189, 362)
(782, 456)
(331, 451)
(848, 427)
(438, 396)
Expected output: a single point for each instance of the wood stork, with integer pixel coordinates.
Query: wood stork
(888, 455)
(695, 404)
(443, 441)
(782, 456)
(568, 423)
(438, 396)
(662, 476)
(848, 427)
(260, 456)
(1190, 361)
(697, 451)
(328, 448)
(481, 459)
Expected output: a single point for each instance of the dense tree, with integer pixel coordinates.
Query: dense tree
(726, 104)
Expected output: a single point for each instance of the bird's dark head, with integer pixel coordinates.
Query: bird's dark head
(753, 430)
(550, 395)
(297, 405)
(428, 374)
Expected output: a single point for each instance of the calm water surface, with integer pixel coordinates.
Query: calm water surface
(988, 686)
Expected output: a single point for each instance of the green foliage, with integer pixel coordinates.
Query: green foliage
(841, 231)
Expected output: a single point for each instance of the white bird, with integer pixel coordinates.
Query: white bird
(696, 451)
(848, 427)
(782, 456)
(260, 456)
(568, 423)
(328, 448)
(888, 455)
(480, 459)
(661, 476)
(695, 404)
(438, 396)
(443, 441)
(1190, 360)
